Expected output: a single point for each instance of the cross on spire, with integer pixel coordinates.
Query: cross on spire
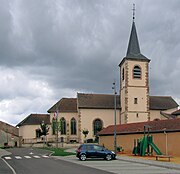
(133, 9)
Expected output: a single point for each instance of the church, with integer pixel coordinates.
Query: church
(93, 112)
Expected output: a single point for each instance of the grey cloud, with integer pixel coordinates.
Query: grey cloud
(77, 45)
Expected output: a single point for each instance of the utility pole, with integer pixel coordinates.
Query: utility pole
(115, 141)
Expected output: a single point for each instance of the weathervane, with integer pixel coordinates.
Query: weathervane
(134, 9)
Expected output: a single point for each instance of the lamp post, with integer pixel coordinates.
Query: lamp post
(115, 142)
(165, 133)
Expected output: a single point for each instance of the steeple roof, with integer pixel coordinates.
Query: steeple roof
(133, 50)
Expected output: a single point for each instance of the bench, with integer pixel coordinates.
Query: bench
(163, 156)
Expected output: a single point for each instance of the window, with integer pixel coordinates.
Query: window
(73, 126)
(137, 72)
(123, 74)
(137, 115)
(38, 133)
(63, 126)
(135, 101)
(53, 126)
(97, 126)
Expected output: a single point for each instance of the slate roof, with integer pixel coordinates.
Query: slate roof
(133, 50)
(176, 112)
(35, 119)
(106, 101)
(162, 103)
(168, 116)
(64, 105)
(134, 128)
(97, 101)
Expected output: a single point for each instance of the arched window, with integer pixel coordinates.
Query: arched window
(63, 126)
(53, 126)
(97, 126)
(137, 72)
(123, 74)
(73, 126)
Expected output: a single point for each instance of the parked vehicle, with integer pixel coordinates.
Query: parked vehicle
(94, 151)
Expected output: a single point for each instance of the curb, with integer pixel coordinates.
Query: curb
(150, 163)
(4, 152)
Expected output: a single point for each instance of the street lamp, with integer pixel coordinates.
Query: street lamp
(115, 142)
(165, 133)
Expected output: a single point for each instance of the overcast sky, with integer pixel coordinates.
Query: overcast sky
(51, 49)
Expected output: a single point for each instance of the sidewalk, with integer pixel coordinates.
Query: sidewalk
(4, 152)
(168, 165)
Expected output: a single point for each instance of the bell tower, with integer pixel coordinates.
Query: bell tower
(134, 81)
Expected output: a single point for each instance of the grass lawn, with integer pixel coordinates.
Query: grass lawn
(59, 151)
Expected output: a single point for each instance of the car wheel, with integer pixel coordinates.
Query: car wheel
(82, 157)
(108, 157)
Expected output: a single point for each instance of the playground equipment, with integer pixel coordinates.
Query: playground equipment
(145, 145)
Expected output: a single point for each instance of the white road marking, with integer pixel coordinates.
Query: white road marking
(9, 166)
(18, 157)
(7, 157)
(45, 156)
(30, 153)
(28, 157)
(36, 156)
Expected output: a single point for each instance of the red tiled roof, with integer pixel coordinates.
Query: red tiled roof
(155, 126)
(64, 105)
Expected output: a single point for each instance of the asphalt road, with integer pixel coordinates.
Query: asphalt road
(122, 167)
(36, 161)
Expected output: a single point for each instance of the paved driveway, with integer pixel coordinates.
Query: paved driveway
(121, 167)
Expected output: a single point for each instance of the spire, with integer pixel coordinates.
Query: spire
(134, 9)
(133, 50)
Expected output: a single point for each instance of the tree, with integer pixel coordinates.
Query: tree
(44, 130)
(85, 132)
(56, 128)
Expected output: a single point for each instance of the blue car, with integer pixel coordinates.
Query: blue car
(85, 151)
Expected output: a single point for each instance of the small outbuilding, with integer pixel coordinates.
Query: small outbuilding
(166, 135)
(28, 127)
(9, 135)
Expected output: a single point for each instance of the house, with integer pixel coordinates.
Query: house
(9, 135)
(165, 134)
(28, 127)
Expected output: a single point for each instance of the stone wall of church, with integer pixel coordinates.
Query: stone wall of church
(67, 116)
(89, 115)
(131, 89)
